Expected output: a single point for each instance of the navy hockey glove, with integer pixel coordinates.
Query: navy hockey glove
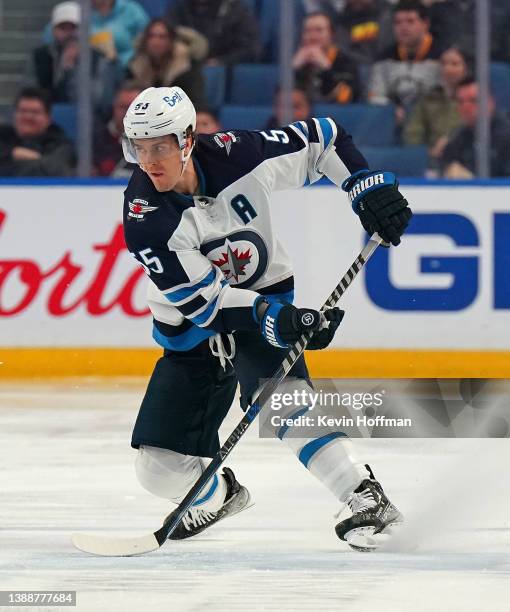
(379, 204)
(282, 324)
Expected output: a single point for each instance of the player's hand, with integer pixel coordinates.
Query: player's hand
(379, 204)
(282, 324)
(322, 338)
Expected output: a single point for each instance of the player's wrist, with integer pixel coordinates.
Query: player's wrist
(268, 315)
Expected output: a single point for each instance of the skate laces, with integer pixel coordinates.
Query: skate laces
(358, 502)
(195, 517)
(217, 347)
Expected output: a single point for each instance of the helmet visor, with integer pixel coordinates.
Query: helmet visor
(147, 150)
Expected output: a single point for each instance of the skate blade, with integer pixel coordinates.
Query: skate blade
(364, 539)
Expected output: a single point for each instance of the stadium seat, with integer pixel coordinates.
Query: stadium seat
(369, 124)
(215, 85)
(245, 117)
(253, 84)
(500, 85)
(156, 8)
(269, 27)
(404, 161)
(66, 117)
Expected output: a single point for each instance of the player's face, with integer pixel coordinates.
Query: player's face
(409, 28)
(161, 159)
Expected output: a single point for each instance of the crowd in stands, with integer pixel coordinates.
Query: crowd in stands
(413, 57)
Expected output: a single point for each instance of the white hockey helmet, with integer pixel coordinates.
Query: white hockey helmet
(158, 111)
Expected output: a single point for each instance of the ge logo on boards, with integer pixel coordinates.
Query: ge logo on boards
(464, 270)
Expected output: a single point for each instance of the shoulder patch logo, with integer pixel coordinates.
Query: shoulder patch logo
(138, 208)
(225, 140)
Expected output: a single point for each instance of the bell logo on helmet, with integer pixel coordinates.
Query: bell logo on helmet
(172, 101)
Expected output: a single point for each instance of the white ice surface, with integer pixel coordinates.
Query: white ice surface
(66, 466)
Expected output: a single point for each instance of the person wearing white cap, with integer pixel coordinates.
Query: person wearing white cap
(65, 17)
(55, 64)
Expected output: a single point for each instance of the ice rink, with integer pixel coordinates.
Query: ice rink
(66, 466)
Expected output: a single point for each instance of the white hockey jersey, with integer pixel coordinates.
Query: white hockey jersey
(209, 256)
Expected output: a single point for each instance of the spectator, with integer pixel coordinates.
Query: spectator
(108, 156)
(33, 145)
(55, 64)
(301, 108)
(228, 25)
(458, 159)
(208, 122)
(115, 26)
(321, 68)
(453, 23)
(365, 29)
(170, 57)
(409, 68)
(435, 115)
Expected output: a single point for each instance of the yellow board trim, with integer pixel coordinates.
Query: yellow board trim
(23, 363)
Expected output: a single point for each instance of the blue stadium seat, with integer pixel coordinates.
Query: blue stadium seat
(66, 117)
(156, 8)
(245, 117)
(403, 161)
(500, 84)
(215, 85)
(369, 124)
(269, 27)
(253, 84)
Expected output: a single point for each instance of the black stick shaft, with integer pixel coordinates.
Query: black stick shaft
(263, 393)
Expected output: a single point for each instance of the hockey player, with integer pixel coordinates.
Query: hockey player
(197, 219)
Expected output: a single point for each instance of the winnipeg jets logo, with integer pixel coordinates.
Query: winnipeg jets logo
(233, 262)
(138, 208)
(242, 256)
(225, 140)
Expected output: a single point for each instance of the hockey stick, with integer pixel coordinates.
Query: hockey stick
(123, 547)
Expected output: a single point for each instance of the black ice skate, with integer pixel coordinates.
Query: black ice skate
(196, 520)
(373, 516)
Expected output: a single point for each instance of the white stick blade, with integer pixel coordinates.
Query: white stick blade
(114, 547)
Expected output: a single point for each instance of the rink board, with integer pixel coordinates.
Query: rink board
(437, 305)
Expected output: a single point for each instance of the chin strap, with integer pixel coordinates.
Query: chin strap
(185, 158)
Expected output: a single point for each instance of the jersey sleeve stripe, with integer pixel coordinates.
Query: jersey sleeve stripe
(199, 278)
(196, 304)
(302, 127)
(186, 291)
(207, 314)
(327, 131)
(313, 134)
(182, 342)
